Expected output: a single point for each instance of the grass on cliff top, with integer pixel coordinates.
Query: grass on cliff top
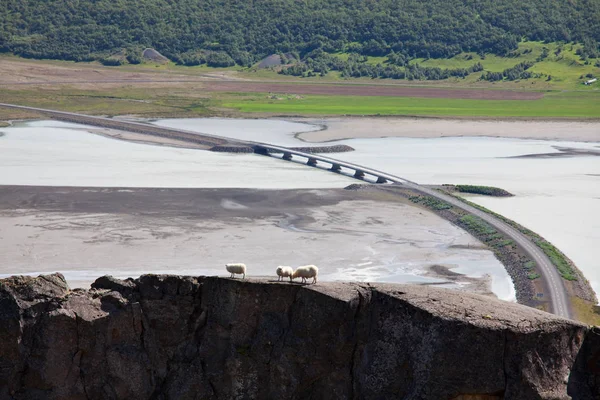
(565, 105)
(584, 311)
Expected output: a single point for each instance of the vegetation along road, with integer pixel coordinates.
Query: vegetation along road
(558, 298)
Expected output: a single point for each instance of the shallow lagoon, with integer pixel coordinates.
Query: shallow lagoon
(58, 154)
(50, 153)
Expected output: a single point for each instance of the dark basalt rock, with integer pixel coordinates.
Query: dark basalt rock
(109, 282)
(584, 383)
(172, 337)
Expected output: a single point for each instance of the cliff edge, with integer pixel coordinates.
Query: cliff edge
(176, 337)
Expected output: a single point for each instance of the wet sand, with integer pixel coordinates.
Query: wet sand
(350, 235)
(368, 127)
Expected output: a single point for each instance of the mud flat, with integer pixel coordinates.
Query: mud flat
(54, 153)
(86, 232)
(352, 128)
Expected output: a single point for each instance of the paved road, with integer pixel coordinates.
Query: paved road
(559, 303)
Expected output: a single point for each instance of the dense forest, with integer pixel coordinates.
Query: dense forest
(224, 32)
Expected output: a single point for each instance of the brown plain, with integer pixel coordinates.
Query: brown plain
(15, 73)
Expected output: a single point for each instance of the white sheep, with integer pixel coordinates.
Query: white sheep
(283, 272)
(306, 271)
(238, 268)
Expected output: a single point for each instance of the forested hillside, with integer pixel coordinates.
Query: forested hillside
(243, 31)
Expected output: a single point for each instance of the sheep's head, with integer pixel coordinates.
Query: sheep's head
(296, 274)
(279, 270)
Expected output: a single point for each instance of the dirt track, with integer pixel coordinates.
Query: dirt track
(370, 90)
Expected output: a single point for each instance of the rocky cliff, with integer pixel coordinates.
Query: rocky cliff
(171, 337)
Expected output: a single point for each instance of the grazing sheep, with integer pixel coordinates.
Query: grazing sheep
(238, 268)
(282, 272)
(306, 271)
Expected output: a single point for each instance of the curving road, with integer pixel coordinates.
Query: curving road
(558, 298)
(559, 303)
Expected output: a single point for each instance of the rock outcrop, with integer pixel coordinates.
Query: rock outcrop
(172, 337)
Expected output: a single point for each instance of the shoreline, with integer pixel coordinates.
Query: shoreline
(321, 132)
(579, 287)
(524, 275)
(348, 127)
(169, 229)
(336, 128)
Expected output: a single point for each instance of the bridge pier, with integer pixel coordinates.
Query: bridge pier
(287, 156)
(261, 150)
(312, 162)
(381, 179)
(359, 174)
(335, 167)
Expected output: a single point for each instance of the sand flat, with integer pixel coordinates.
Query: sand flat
(350, 235)
(370, 127)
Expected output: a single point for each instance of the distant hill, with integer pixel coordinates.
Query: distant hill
(223, 32)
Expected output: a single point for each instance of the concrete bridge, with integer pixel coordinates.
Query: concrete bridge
(331, 164)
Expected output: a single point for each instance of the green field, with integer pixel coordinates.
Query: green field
(554, 104)
(177, 100)
(370, 60)
(191, 102)
(564, 66)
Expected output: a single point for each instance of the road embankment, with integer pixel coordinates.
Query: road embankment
(518, 264)
(528, 276)
(135, 127)
(575, 279)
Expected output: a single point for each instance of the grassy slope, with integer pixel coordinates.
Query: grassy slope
(568, 98)
(565, 68)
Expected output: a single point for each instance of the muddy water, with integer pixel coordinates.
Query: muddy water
(385, 242)
(85, 245)
(50, 153)
(558, 197)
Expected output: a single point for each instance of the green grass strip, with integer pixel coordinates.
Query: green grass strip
(485, 190)
(430, 202)
(584, 105)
